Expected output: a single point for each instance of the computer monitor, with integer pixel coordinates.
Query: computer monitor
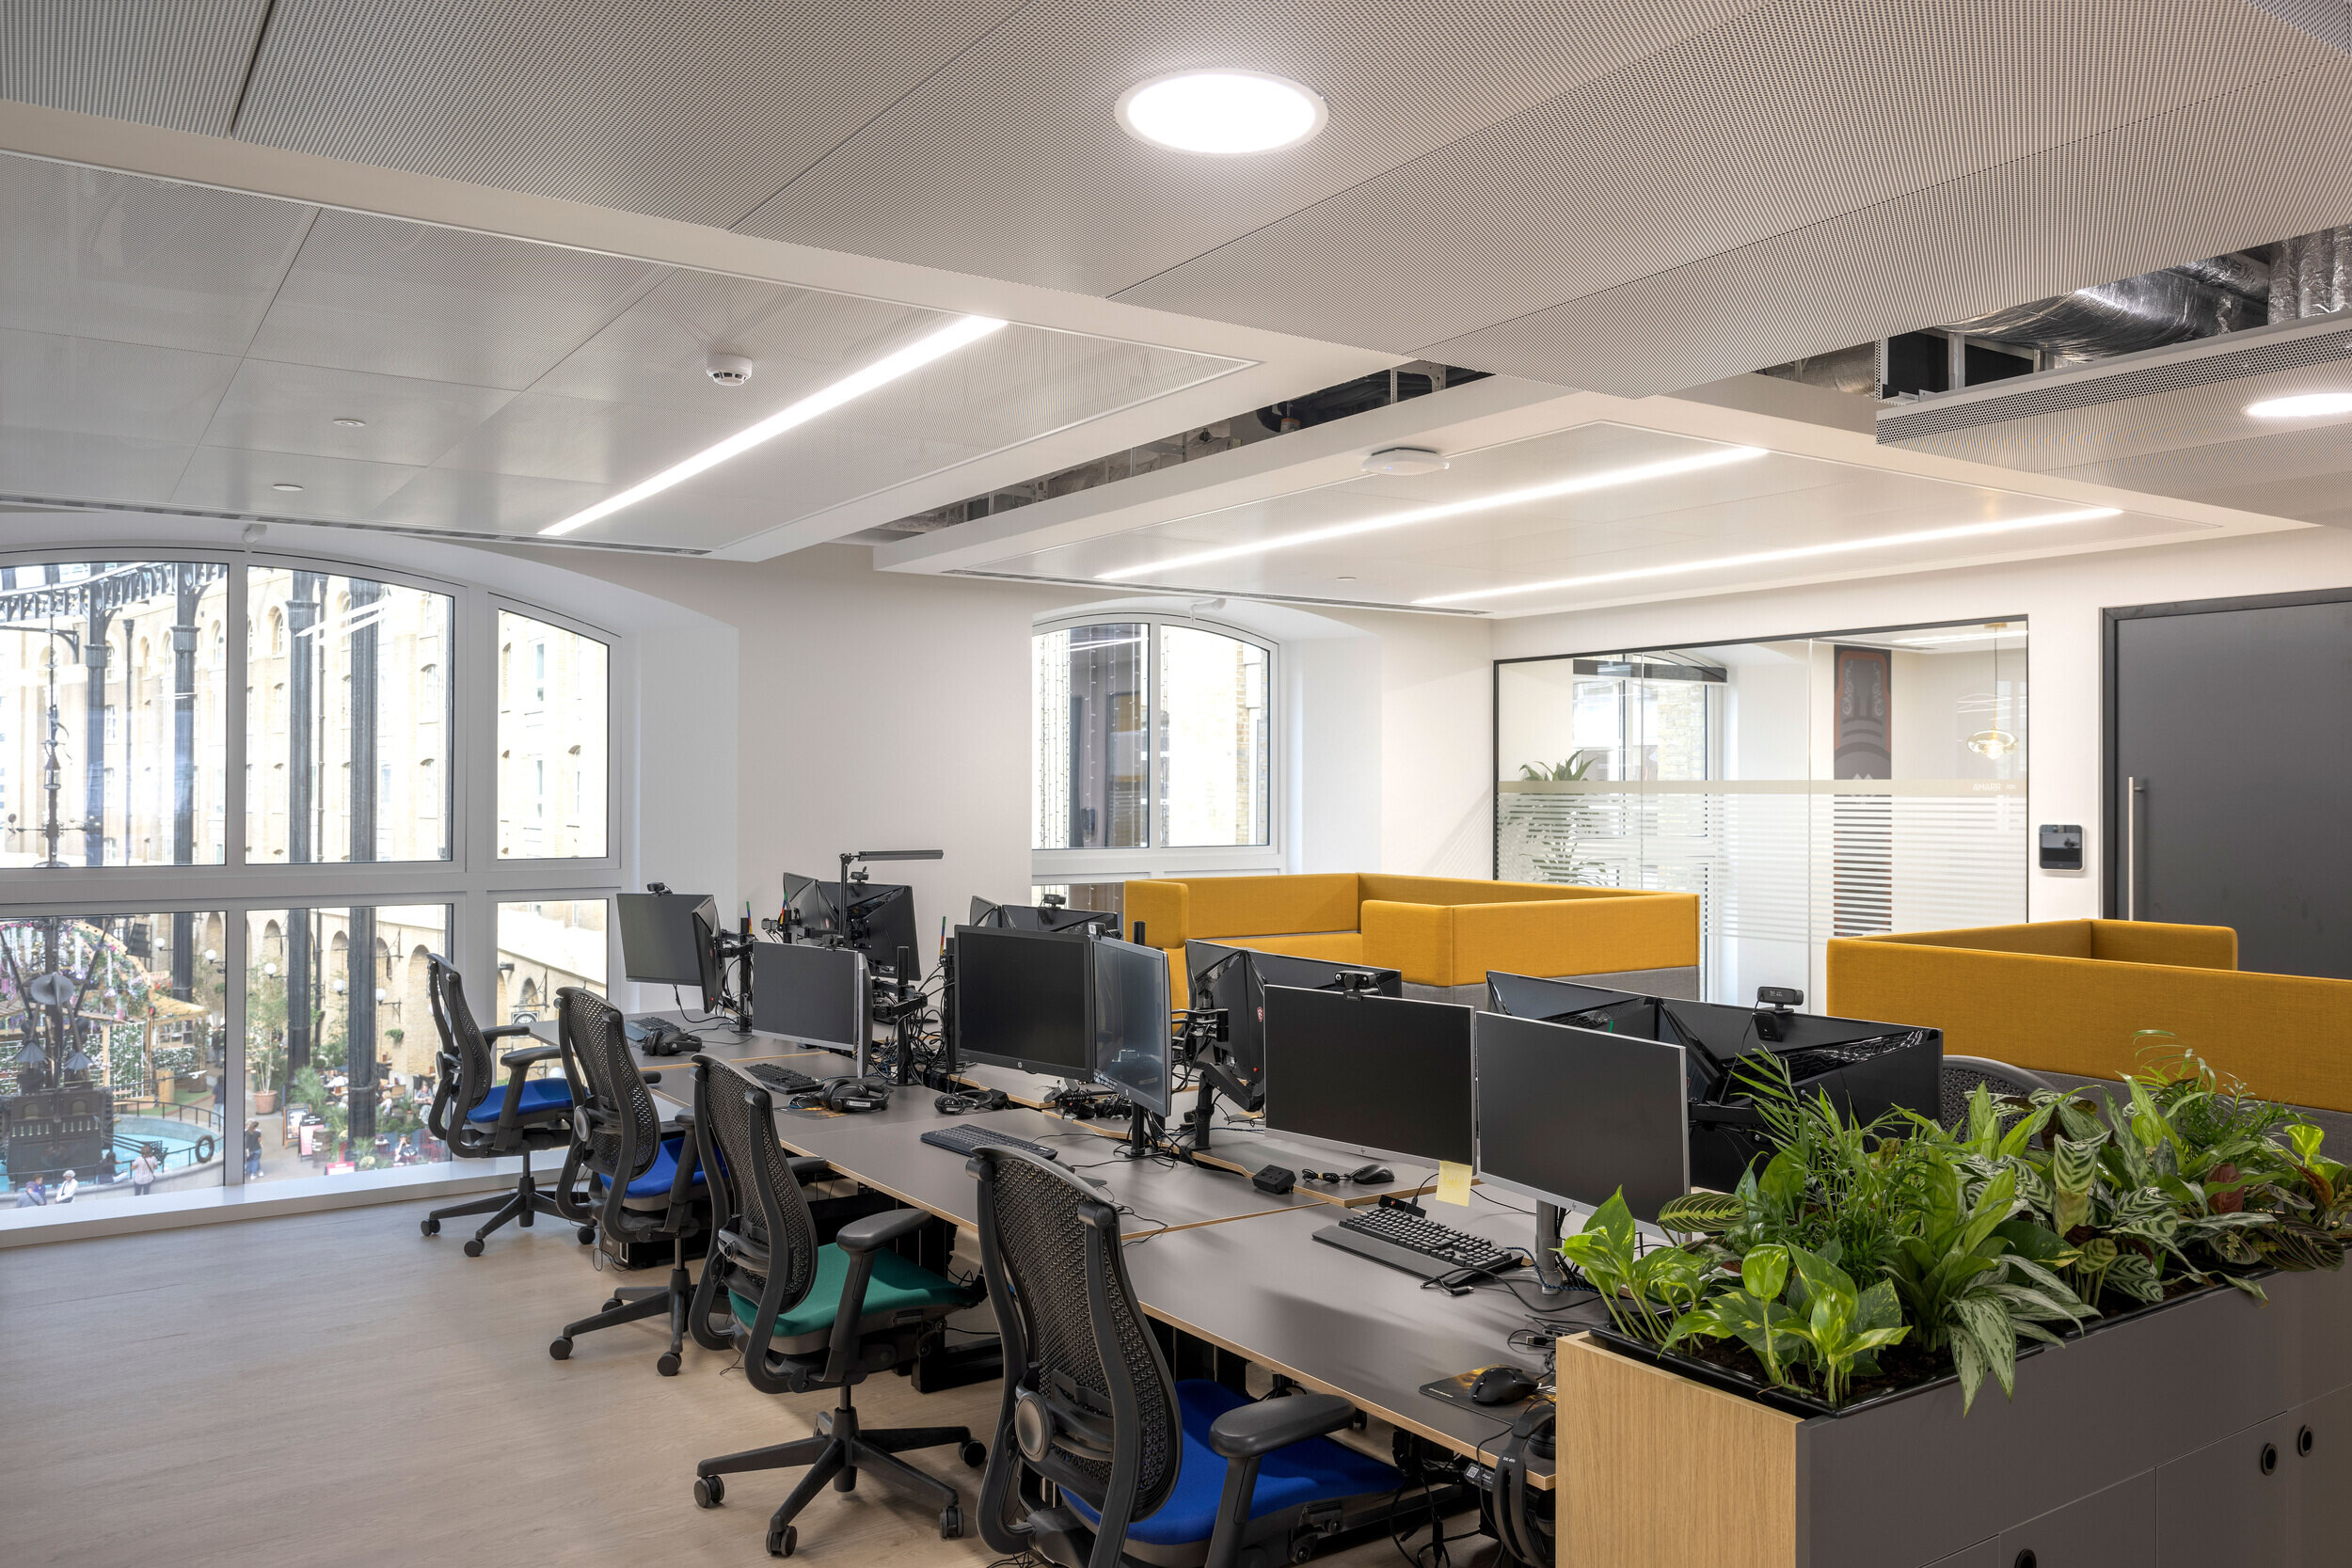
(812, 995)
(882, 918)
(1235, 980)
(1133, 1049)
(1374, 1072)
(1042, 917)
(1569, 1116)
(1023, 1000)
(1619, 1012)
(659, 943)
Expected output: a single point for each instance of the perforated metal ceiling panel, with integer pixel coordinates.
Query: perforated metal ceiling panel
(95, 387)
(1773, 144)
(689, 109)
(99, 254)
(174, 63)
(272, 406)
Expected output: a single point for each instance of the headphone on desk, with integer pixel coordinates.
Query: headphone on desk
(970, 1100)
(1527, 1534)
(855, 1094)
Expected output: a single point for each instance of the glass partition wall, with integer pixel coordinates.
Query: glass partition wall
(419, 768)
(1834, 785)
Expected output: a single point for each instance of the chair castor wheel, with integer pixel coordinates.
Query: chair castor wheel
(781, 1542)
(612, 1304)
(473, 1247)
(709, 1491)
(431, 1227)
(975, 1454)
(561, 1348)
(587, 1235)
(950, 1522)
(845, 1479)
(668, 1364)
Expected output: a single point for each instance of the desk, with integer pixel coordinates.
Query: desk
(1267, 1290)
(720, 1042)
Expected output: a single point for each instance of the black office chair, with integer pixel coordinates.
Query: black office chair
(643, 1184)
(1143, 1468)
(1963, 1074)
(480, 1119)
(809, 1317)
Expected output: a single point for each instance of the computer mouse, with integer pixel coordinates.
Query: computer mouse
(1369, 1174)
(1504, 1384)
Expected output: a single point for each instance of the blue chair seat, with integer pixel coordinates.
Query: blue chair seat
(1312, 1471)
(540, 1095)
(656, 1180)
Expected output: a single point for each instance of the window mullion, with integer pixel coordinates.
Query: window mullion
(232, 800)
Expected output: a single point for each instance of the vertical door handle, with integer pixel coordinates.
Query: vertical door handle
(2133, 789)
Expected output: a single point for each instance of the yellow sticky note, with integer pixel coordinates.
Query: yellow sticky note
(1453, 1184)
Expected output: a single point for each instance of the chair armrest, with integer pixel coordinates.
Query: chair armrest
(649, 1076)
(875, 1231)
(505, 1030)
(514, 1061)
(813, 1168)
(1253, 1430)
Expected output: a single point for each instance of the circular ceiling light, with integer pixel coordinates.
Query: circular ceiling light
(290, 489)
(353, 424)
(2308, 406)
(1405, 460)
(1222, 112)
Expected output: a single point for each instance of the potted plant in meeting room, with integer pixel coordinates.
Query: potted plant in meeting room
(2171, 1253)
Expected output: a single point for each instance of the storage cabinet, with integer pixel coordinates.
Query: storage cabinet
(2113, 1529)
(2233, 1504)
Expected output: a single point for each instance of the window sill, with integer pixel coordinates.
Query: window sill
(1052, 868)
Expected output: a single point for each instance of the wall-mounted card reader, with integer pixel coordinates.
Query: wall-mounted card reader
(2062, 846)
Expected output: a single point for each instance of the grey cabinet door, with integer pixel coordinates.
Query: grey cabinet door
(2233, 1504)
(1984, 1554)
(2324, 1475)
(2113, 1529)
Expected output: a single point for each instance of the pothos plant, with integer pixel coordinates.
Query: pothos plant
(2032, 1215)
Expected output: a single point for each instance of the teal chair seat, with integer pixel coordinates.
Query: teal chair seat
(899, 1291)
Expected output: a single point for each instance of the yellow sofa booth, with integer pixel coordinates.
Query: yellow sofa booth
(2067, 996)
(1443, 933)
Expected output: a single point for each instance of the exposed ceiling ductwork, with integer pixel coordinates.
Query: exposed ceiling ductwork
(2173, 305)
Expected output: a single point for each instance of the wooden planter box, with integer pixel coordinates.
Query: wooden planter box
(2211, 1430)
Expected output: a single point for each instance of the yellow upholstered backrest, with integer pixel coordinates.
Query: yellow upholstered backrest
(2148, 941)
(1465, 890)
(2050, 939)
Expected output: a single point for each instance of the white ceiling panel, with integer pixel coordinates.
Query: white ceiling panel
(1009, 161)
(229, 479)
(96, 388)
(94, 254)
(472, 501)
(82, 467)
(1794, 115)
(609, 445)
(689, 109)
(408, 299)
(173, 63)
(272, 406)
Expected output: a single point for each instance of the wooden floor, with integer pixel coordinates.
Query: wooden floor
(332, 1389)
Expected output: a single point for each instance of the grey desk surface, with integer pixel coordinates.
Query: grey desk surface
(885, 1152)
(1267, 1290)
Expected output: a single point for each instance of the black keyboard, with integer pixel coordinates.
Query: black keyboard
(1403, 1240)
(968, 1139)
(782, 1079)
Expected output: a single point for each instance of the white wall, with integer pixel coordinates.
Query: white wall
(2061, 597)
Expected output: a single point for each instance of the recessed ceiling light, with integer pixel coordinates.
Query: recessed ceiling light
(1405, 460)
(2306, 407)
(1766, 558)
(290, 489)
(955, 335)
(1605, 480)
(1223, 114)
(353, 424)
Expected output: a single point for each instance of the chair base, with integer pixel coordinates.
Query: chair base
(838, 1451)
(523, 1205)
(635, 1305)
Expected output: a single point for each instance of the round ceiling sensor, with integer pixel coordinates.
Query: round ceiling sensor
(289, 488)
(1405, 460)
(728, 370)
(1222, 114)
(353, 424)
(2309, 406)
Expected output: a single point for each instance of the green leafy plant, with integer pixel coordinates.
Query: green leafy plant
(1579, 763)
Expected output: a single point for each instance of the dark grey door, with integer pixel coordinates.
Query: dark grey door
(2230, 771)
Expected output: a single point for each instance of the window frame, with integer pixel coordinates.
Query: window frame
(472, 881)
(1049, 867)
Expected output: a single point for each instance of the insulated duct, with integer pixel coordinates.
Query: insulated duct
(2202, 299)
(2311, 275)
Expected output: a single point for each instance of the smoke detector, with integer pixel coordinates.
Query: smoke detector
(1405, 460)
(727, 370)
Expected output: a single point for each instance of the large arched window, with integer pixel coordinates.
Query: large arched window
(1151, 746)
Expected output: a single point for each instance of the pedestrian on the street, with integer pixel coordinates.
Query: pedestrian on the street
(252, 1149)
(144, 1170)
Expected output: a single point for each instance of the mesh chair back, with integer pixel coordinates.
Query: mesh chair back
(1963, 1074)
(1048, 1270)
(764, 1234)
(623, 1126)
(462, 1064)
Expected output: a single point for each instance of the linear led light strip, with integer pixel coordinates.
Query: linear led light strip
(1766, 558)
(955, 334)
(1607, 480)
